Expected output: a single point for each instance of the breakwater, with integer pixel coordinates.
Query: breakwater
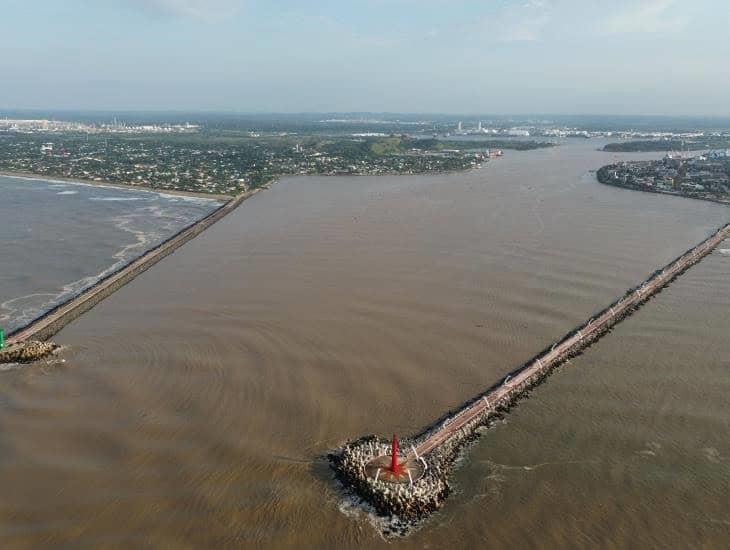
(55, 319)
(438, 446)
(26, 352)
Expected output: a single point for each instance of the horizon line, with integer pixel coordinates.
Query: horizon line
(4, 111)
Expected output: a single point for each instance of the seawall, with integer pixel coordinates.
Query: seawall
(436, 448)
(55, 319)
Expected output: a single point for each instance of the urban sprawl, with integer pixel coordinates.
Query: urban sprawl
(227, 155)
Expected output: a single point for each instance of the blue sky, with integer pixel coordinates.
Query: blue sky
(453, 56)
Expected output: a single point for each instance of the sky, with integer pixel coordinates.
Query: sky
(418, 56)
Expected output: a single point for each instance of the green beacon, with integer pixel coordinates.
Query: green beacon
(2, 338)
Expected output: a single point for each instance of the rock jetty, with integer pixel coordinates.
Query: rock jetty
(438, 447)
(27, 352)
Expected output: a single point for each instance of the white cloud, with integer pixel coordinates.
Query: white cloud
(522, 21)
(648, 16)
(206, 10)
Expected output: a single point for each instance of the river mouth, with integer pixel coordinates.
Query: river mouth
(199, 398)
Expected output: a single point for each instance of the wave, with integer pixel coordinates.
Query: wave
(56, 183)
(19, 311)
(190, 199)
(118, 199)
(148, 226)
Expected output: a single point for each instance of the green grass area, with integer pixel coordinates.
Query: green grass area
(387, 146)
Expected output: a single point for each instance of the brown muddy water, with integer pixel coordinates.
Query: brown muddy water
(195, 406)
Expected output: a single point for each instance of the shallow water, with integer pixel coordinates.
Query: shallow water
(196, 404)
(58, 238)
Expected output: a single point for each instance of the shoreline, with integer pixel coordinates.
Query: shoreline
(600, 179)
(464, 170)
(123, 186)
(53, 320)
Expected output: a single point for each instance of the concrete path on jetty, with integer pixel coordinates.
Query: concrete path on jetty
(54, 320)
(571, 343)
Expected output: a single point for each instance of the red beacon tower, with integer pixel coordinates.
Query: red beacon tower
(389, 468)
(395, 467)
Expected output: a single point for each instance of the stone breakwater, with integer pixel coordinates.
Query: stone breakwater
(27, 352)
(406, 501)
(438, 446)
(54, 320)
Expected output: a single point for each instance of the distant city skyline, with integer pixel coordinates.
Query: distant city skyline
(658, 57)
